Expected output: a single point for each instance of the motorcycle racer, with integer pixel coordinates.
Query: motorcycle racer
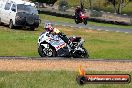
(77, 11)
(52, 43)
(54, 31)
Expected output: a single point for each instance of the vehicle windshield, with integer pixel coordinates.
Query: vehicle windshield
(27, 9)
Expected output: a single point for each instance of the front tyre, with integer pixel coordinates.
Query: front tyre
(76, 21)
(46, 52)
(0, 22)
(85, 21)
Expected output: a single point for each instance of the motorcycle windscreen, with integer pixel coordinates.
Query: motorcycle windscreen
(57, 42)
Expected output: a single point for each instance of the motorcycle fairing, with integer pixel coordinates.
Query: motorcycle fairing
(54, 40)
(62, 49)
(63, 52)
(57, 42)
(44, 37)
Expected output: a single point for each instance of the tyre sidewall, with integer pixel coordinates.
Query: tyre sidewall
(11, 24)
(41, 53)
(85, 21)
(0, 21)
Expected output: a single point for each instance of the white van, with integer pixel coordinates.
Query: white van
(19, 13)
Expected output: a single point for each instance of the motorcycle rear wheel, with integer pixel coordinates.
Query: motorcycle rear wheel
(81, 55)
(85, 55)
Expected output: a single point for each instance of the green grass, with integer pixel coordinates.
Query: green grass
(18, 42)
(52, 79)
(61, 19)
(107, 45)
(100, 5)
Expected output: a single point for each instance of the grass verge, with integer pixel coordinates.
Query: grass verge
(61, 19)
(52, 79)
(100, 5)
(100, 44)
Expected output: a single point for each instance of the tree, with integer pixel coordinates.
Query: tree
(63, 5)
(119, 5)
(82, 4)
(45, 1)
(90, 4)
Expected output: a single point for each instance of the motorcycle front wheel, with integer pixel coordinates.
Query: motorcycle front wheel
(85, 21)
(76, 21)
(46, 52)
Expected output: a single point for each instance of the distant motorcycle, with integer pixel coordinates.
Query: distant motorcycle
(50, 45)
(81, 19)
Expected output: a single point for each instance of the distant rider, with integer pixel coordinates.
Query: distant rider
(77, 11)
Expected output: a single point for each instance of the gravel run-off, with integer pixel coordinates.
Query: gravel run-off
(70, 65)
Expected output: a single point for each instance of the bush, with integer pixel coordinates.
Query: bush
(45, 1)
(63, 5)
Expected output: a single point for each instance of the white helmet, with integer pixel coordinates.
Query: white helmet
(48, 27)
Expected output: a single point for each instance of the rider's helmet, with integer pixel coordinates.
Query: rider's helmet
(48, 27)
(78, 7)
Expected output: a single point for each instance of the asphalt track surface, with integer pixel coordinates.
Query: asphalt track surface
(61, 58)
(91, 27)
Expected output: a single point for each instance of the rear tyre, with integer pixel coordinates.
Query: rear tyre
(0, 22)
(81, 54)
(46, 52)
(11, 26)
(85, 54)
(32, 28)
